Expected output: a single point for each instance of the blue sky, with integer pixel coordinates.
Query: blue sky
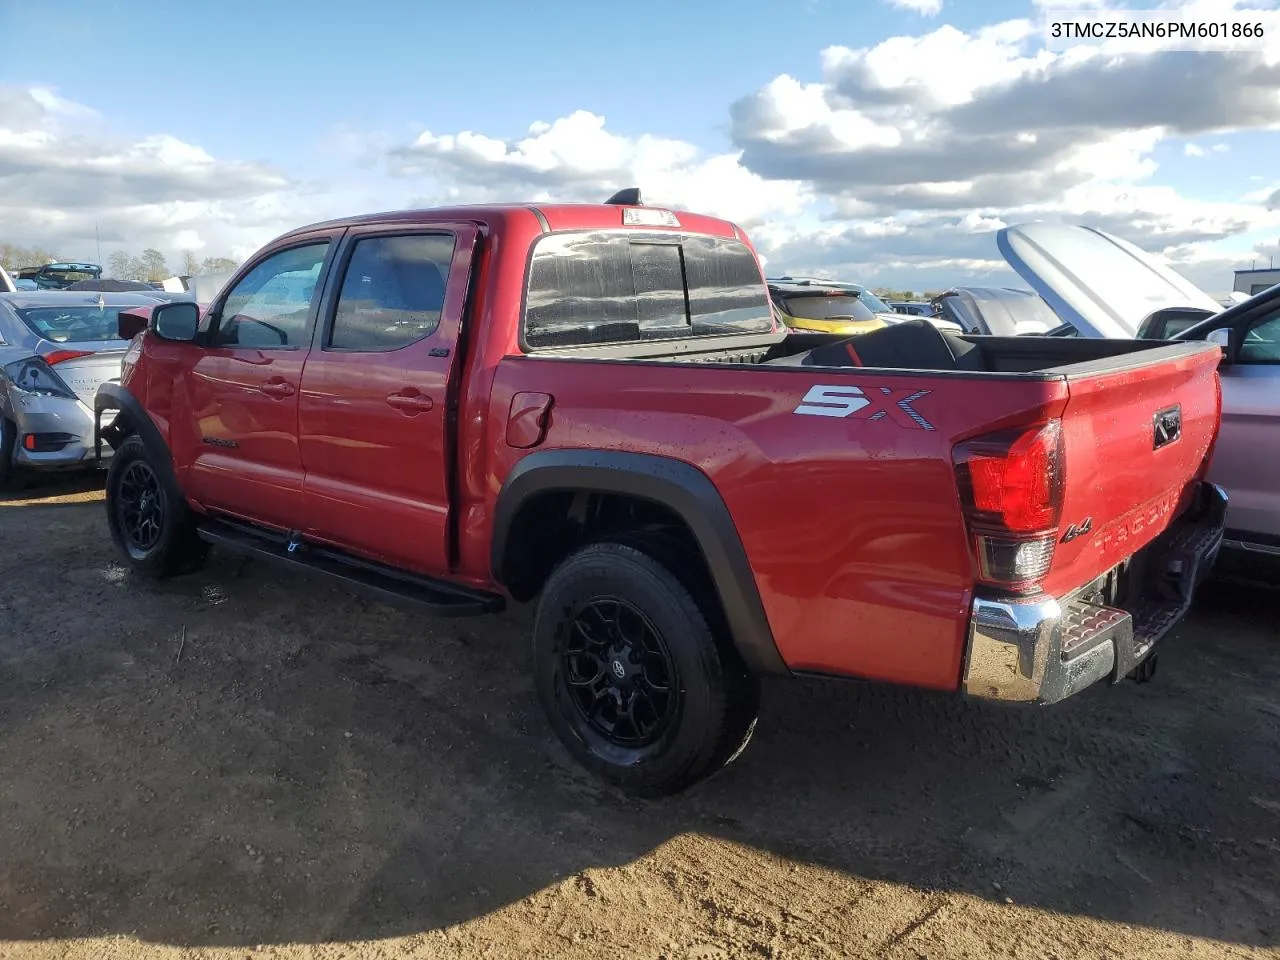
(268, 78)
(283, 111)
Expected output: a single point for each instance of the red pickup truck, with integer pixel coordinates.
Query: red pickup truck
(592, 405)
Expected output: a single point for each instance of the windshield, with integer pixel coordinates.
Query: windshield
(874, 303)
(73, 324)
(826, 307)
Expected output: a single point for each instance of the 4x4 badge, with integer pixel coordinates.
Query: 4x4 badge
(1078, 530)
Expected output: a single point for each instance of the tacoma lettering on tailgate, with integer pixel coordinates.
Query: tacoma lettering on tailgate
(1136, 522)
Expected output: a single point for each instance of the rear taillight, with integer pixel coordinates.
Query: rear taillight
(56, 357)
(34, 376)
(1011, 486)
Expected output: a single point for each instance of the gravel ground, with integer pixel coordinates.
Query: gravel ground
(250, 763)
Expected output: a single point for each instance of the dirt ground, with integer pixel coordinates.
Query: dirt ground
(246, 763)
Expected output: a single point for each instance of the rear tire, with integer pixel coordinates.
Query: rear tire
(154, 531)
(638, 684)
(12, 478)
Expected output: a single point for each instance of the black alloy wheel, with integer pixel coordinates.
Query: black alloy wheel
(140, 507)
(619, 672)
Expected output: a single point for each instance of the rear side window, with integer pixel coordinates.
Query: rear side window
(599, 288)
(393, 292)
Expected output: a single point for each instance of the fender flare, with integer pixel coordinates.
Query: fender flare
(112, 396)
(680, 487)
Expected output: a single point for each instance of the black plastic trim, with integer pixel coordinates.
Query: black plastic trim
(542, 219)
(1263, 542)
(676, 485)
(112, 396)
(375, 580)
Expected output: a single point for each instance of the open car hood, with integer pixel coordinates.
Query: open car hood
(1100, 284)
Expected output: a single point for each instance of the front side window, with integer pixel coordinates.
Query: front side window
(393, 292)
(1261, 342)
(271, 305)
(597, 288)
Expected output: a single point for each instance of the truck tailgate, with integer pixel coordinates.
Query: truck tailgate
(1135, 439)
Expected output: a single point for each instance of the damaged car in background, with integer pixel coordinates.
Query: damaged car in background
(56, 349)
(995, 311)
(831, 306)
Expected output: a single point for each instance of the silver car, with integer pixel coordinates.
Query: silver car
(56, 347)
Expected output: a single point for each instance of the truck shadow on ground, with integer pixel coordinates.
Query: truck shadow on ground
(245, 757)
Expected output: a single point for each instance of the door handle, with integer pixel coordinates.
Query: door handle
(410, 403)
(277, 388)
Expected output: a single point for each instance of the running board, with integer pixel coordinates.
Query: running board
(375, 580)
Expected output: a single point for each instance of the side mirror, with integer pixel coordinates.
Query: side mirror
(178, 321)
(1221, 336)
(129, 325)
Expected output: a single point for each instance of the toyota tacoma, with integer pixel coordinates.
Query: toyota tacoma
(592, 406)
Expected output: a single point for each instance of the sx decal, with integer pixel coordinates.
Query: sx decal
(873, 403)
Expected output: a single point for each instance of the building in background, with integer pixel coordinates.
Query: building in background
(1255, 281)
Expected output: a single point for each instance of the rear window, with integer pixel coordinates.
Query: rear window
(826, 307)
(599, 288)
(72, 324)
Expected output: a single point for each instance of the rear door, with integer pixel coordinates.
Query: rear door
(242, 391)
(376, 410)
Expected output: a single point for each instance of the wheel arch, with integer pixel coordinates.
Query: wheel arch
(132, 418)
(553, 478)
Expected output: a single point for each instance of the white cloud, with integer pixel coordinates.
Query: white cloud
(1191, 150)
(926, 8)
(578, 158)
(65, 182)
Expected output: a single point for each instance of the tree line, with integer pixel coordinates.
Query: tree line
(152, 267)
(884, 293)
(149, 266)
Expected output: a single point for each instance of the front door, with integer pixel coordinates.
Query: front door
(375, 427)
(1246, 460)
(243, 390)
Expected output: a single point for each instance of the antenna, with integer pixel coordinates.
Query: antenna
(627, 197)
(98, 238)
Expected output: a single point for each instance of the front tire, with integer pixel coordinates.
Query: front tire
(154, 531)
(638, 684)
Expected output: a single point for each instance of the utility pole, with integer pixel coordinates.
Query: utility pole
(98, 238)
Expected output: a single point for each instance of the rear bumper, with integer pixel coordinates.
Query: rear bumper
(63, 429)
(1044, 649)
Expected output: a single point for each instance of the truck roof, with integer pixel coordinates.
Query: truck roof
(553, 217)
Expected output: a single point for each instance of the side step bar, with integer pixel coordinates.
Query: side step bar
(374, 580)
